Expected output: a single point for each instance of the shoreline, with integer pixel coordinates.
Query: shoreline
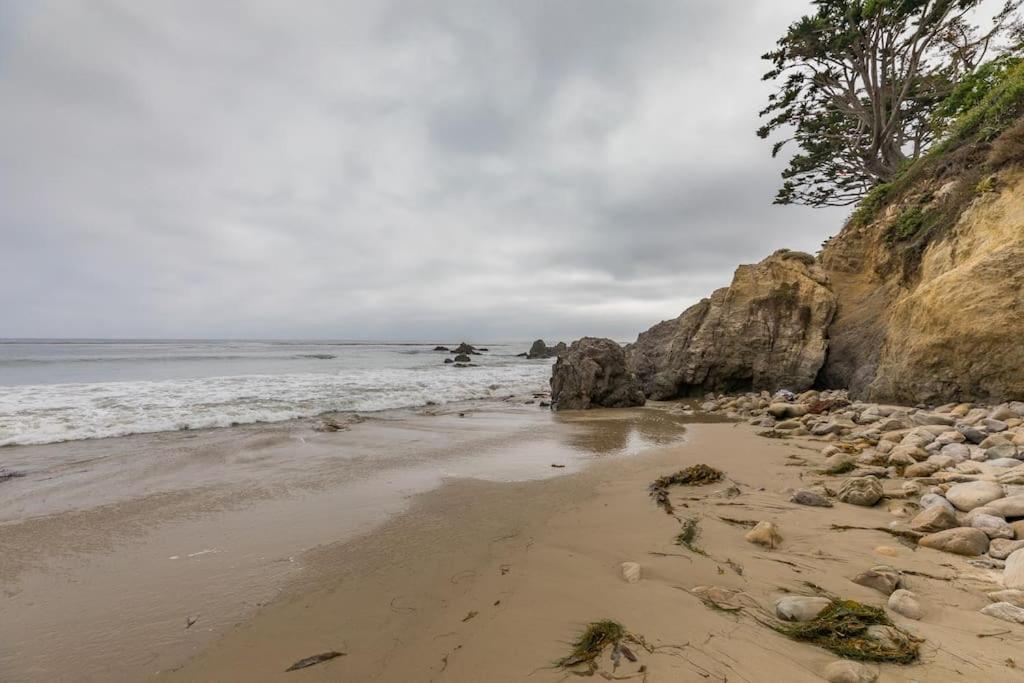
(114, 546)
(494, 581)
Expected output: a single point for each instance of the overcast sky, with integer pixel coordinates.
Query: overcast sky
(380, 169)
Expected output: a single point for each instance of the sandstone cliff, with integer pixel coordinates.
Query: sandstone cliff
(919, 299)
(766, 330)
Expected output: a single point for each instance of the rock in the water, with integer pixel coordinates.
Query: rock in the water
(800, 607)
(462, 358)
(448, 360)
(845, 671)
(906, 603)
(765, 533)
(1013, 572)
(631, 572)
(973, 494)
(591, 374)
(766, 330)
(882, 578)
(934, 518)
(960, 541)
(803, 497)
(541, 350)
(1005, 611)
(865, 491)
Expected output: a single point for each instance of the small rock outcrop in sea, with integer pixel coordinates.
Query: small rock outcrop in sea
(592, 373)
(541, 350)
(466, 349)
(766, 330)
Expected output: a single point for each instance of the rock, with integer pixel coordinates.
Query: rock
(994, 527)
(826, 428)
(957, 451)
(1002, 548)
(921, 469)
(782, 411)
(804, 497)
(465, 348)
(839, 462)
(541, 350)
(865, 491)
(631, 572)
(1010, 595)
(932, 499)
(845, 671)
(972, 494)
(462, 358)
(1011, 506)
(934, 518)
(971, 434)
(906, 603)
(887, 551)
(766, 330)
(1005, 463)
(593, 373)
(764, 533)
(1018, 529)
(994, 426)
(441, 348)
(1005, 450)
(882, 578)
(959, 541)
(1005, 611)
(1013, 572)
(448, 360)
(800, 608)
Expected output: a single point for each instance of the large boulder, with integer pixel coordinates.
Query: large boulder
(541, 350)
(592, 373)
(767, 330)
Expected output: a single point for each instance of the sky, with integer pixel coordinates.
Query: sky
(382, 169)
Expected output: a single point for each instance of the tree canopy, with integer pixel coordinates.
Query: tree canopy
(860, 84)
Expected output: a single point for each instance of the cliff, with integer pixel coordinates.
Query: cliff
(919, 299)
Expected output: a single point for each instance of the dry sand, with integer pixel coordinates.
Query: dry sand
(490, 582)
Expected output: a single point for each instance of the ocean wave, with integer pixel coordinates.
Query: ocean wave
(39, 414)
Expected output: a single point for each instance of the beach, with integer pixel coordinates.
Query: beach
(478, 561)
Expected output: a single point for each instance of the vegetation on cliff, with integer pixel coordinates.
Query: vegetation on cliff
(862, 82)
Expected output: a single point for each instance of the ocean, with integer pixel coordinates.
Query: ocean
(66, 390)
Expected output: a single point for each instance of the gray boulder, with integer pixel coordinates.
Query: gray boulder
(593, 374)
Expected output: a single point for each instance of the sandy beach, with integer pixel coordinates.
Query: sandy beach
(485, 581)
(124, 557)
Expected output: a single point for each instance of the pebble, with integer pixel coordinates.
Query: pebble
(800, 608)
(973, 494)
(1001, 548)
(994, 527)
(864, 491)
(1005, 611)
(804, 497)
(934, 518)
(845, 671)
(764, 533)
(960, 541)
(882, 578)
(932, 499)
(631, 572)
(1013, 572)
(906, 603)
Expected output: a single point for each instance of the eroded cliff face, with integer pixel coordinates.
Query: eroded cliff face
(939, 320)
(765, 331)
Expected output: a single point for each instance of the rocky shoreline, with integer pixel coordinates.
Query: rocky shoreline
(961, 468)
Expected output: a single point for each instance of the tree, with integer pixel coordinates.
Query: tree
(859, 81)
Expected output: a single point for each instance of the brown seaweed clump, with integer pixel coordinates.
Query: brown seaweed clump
(695, 475)
(592, 642)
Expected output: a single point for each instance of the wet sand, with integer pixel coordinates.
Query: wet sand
(486, 582)
(109, 549)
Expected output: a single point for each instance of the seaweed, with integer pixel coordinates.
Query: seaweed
(688, 536)
(842, 628)
(595, 638)
(695, 475)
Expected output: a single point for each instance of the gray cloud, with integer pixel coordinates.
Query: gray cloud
(381, 169)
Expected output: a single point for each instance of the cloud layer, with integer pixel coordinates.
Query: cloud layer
(382, 169)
